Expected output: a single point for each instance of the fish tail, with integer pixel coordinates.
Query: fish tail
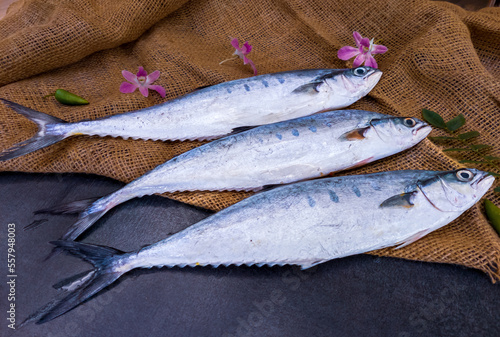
(40, 140)
(107, 269)
(93, 212)
(73, 207)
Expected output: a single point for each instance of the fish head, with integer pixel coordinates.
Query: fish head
(356, 82)
(401, 132)
(456, 191)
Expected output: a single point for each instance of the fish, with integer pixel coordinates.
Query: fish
(213, 111)
(305, 224)
(273, 154)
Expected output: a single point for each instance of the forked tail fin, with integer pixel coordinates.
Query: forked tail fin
(40, 140)
(105, 272)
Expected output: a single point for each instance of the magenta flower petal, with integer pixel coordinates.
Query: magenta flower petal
(370, 61)
(159, 89)
(142, 72)
(235, 43)
(347, 52)
(144, 91)
(378, 49)
(253, 67)
(357, 38)
(365, 42)
(127, 88)
(247, 48)
(359, 60)
(152, 77)
(129, 76)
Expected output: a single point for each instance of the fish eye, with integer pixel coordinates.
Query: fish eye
(464, 175)
(409, 122)
(360, 71)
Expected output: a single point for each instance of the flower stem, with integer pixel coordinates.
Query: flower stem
(229, 59)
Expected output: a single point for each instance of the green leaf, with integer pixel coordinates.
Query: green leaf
(468, 135)
(472, 162)
(433, 119)
(497, 189)
(456, 123)
(493, 213)
(457, 149)
(491, 158)
(480, 147)
(443, 138)
(494, 174)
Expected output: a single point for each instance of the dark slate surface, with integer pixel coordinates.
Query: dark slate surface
(355, 296)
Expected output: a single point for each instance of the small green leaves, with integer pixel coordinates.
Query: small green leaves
(456, 123)
(433, 119)
(477, 147)
(457, 149)
(497, 189)
(468, 135)
(493, 213)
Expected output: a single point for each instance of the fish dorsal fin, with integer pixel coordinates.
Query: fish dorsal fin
(356, 134)
(401, 200)
(309, 88)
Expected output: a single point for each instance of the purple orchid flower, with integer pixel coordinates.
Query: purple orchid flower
(142, 81)
(242, 53)
(363, 51)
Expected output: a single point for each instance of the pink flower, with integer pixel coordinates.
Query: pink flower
(242, 53)
(142, 81)
(363, 51)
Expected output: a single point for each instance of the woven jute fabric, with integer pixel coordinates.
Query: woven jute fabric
(440, 57)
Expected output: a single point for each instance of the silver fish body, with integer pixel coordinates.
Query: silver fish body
(303, 224)
(215, 111)
(279, 153)
(312, 222)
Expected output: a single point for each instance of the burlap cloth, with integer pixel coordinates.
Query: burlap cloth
(440, 57)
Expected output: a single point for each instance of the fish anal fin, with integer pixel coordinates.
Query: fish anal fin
(401, 200)
(412, 238)
(356, 134)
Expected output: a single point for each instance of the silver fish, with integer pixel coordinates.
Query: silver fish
(304, 224)
(214, 111)
(279, 153)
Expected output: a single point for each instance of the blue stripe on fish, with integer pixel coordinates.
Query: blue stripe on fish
(295, 132)
(312, 128)
(281, 80)
(279, 136)
(247, 88)
(333, 196)
(229, 91)
(265, 83)
(356, 191)
(311, 201)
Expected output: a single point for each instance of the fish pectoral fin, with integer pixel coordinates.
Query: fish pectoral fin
(401, 200)
(356, 134)
(412, 238)
(309, 88)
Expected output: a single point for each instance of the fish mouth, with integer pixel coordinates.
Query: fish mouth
(374, 77)
(484, 182)
(424, 130)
